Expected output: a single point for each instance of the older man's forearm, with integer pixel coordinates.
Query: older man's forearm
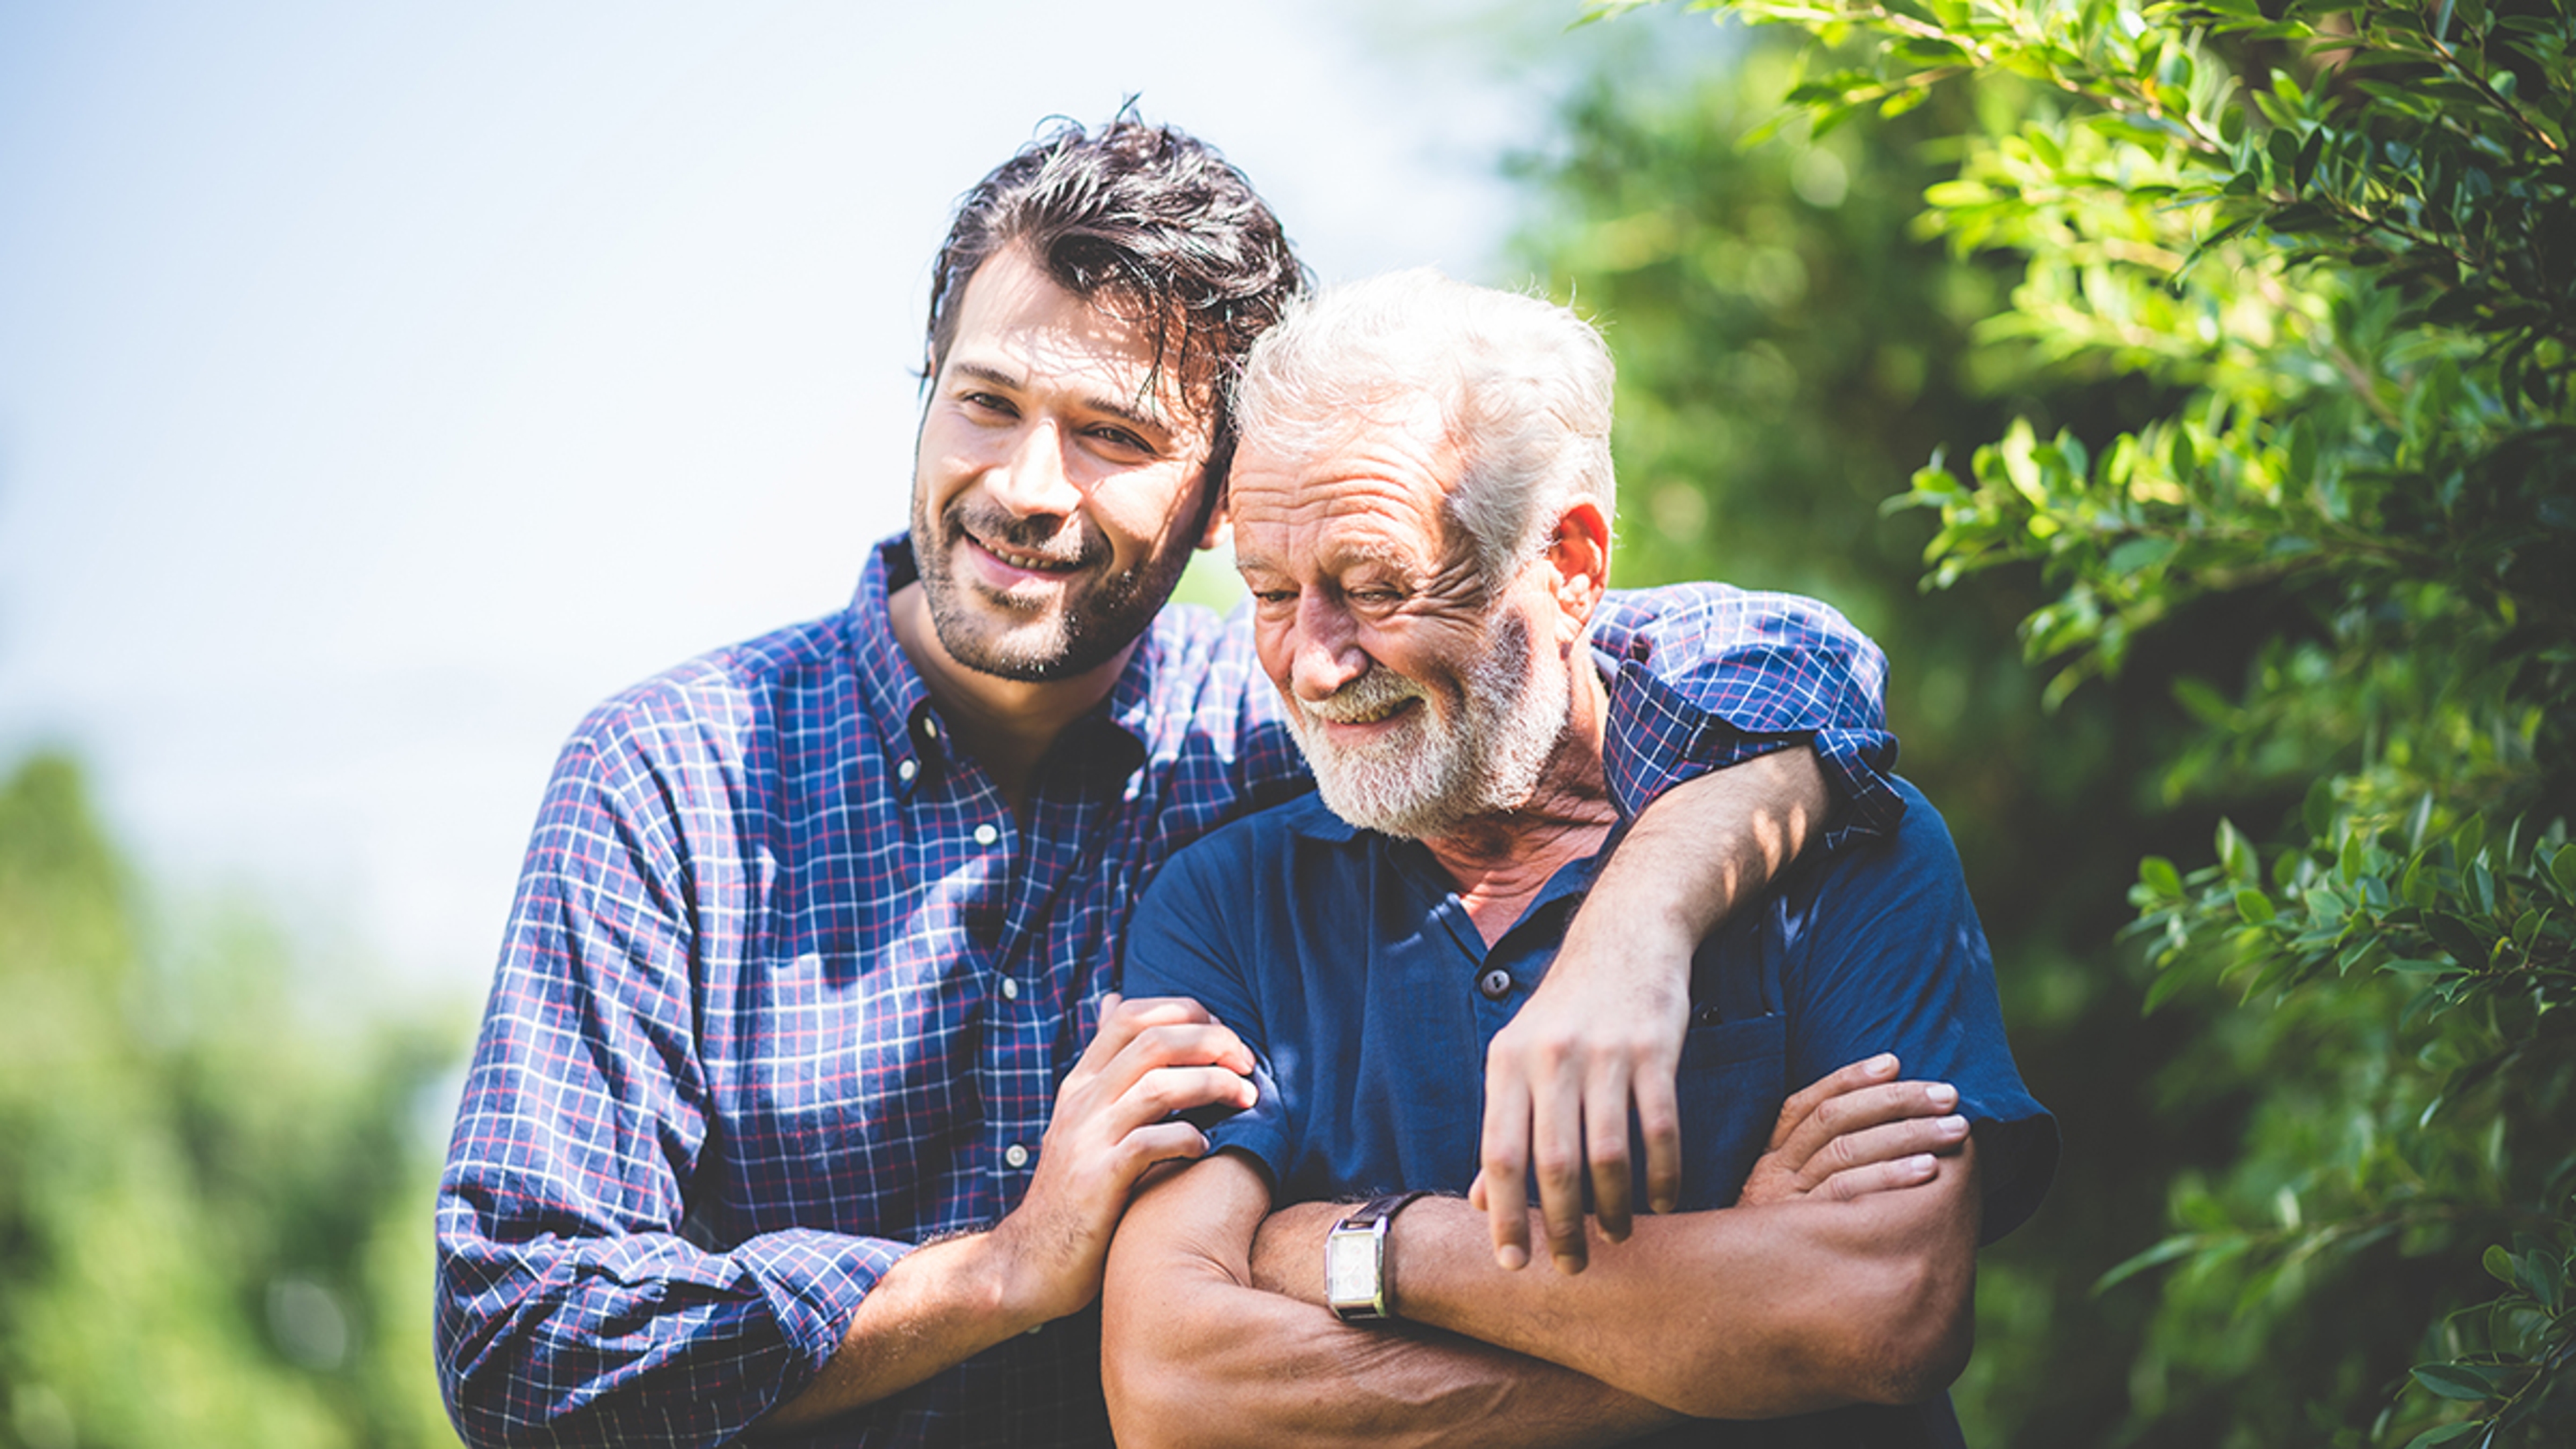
(1192, 1355)
(1740, 1313)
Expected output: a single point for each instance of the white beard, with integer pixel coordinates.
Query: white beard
(1424, 779)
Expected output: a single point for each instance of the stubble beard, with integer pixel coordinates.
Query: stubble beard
(1485, 757)
(1087, 631)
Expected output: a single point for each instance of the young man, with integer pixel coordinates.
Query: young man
(1422, 506)
(802, 1099)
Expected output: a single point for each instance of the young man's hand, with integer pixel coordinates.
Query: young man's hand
(1113, 1120)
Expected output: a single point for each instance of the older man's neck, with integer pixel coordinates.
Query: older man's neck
(1502, 861)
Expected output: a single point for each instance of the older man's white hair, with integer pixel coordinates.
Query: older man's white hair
(1524, 388)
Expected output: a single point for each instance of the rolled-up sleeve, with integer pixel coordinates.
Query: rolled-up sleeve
(574, 1306)
(1704, 676)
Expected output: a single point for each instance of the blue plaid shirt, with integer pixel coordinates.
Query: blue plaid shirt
(788, 990)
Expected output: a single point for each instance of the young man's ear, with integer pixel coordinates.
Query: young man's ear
(1220, 524)
(1578, 556)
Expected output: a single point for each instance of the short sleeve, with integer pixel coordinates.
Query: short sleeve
(1179, 944)
(1704, 676)
(1884, 953)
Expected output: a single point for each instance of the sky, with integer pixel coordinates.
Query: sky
(383, 385)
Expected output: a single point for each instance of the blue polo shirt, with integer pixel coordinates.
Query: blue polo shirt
(1345, 959)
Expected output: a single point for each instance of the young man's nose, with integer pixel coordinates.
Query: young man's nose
(1031, 478)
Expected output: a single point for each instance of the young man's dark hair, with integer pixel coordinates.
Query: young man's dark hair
(1142, 216)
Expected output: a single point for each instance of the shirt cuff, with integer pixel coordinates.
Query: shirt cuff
(813, 1282)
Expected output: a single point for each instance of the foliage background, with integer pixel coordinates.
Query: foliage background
(2251, 329)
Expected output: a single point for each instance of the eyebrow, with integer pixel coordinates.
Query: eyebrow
(1385, 555)
(1099, 403)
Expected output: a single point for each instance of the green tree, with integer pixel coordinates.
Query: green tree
(2284, 463)
(213, 1208)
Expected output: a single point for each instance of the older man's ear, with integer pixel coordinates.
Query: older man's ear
(1578, 554)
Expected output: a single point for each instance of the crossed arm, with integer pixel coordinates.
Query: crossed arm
(1847, 1284)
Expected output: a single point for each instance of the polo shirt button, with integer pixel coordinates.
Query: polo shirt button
(986, 835)
(1010, 988)
(929, 727)
(906, 771)
(1016, 1155)
(1496, 984)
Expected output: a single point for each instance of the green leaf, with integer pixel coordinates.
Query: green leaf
(2562, 868)
(2499, 1264)
(2445, 1434)
(2454, 1381)
(2158, 875)
(2162, 1253)
(2254, 906)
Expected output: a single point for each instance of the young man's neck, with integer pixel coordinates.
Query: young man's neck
(1008, 725)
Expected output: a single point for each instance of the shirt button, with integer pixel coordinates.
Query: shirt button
(929, 728)
(1010, 988)
(1496, 984)
(1016, 1155)
(906, 771)
(986, 835)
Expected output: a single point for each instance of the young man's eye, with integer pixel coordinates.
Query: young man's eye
(986, 402)
(1122, 439)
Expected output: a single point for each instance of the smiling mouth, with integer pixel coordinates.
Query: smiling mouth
(1367, 715)
(1023, 559)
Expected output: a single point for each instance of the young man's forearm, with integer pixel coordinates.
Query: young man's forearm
(1603, 1032)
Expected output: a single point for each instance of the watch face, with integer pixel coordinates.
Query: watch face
(1350, 1268)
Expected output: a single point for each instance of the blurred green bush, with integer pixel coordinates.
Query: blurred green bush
(2254, 326)
(214, 1204)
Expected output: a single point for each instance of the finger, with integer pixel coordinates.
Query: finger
(1191, 1044)
(1121, 1020)
(1503, 1160)
(1140, 1149)
(1659, 1118)
(1852, 1112)
(1909, 1171)
(1802, 1103)
(1556, 1153)
(1160, 1093)
(1888, 1142)
(1604, 1112)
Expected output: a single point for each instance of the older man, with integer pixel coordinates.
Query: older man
(1422, 509)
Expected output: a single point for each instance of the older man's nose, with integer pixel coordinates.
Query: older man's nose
(1327, 654)
(1031, 478)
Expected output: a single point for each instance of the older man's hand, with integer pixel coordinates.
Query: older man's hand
(1857, 1131)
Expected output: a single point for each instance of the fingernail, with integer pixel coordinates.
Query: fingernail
(1952, 1125)
(1942, 1095)
(1920, 1164)
(1882, 1064)
(1665, 1205)
(1511, 1259)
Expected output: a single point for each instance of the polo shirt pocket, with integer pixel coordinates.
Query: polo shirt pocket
(1729, 1089)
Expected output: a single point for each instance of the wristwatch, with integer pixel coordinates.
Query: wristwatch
(1356, 1282)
